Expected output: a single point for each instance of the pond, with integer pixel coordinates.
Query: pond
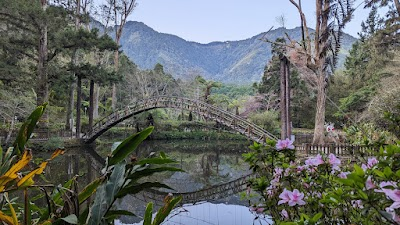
(206, 164)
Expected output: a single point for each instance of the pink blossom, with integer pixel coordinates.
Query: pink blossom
(299, 169)
(284, 196)
(395, 217)
(372, 162)
(296, 197)
(317, 160)
(387, 183)
(394, 195)
(343, 175)
(369, 184)
(284, 214)
(364, 167)
(284, 144)
(333, 160)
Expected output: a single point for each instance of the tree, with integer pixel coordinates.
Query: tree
(208, 85)
(31, 32)
(316, 58)
(117, 11)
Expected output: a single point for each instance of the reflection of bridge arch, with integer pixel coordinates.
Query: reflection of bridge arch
(235, 122)
(215, 192)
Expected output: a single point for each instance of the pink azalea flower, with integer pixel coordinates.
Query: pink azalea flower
(284, 196)
(284, 214)
(343, 175)
(284, 144)
(333, 160)
(317, 160)
(296, 198)
(394, 195)
(369, 184)
(364, 167)
(372, 162)
(257, 210)
(387, 183)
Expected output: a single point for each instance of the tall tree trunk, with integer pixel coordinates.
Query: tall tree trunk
(114, 88)
(320, 111)
(91, 104)
(78, 106)
(43, 86)
(70, 115)
(96, 101)
(283, 99)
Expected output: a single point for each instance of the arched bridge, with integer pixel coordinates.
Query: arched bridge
(231, 120)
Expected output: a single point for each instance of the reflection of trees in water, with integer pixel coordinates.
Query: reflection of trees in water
(207, 163)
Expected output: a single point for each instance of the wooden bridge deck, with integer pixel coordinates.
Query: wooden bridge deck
(228, 119)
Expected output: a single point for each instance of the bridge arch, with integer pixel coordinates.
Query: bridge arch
(211, 112)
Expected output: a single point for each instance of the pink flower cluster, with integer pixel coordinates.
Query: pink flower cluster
(284, 144)
(292, 198)
(371, 163)
(318, 160)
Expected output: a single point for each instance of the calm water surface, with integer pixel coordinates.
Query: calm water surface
(206, 163)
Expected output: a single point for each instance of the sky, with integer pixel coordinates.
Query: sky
(227, 20)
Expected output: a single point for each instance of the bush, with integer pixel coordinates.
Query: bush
(321, 190)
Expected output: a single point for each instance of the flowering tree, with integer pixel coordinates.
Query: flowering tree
(321, 190)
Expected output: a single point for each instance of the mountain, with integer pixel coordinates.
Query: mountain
(230, 61)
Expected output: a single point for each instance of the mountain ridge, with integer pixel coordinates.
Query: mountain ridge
(226, 61)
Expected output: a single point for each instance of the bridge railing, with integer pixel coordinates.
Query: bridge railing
(252, 131)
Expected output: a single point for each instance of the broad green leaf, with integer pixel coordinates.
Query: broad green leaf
(96, 211)
(148, 214)
(358, 170)
(136, 188)
(89, 190)
(388, 172)
(128, 146)
(362, 194)
(379, 173)
(147, 172)
(115, 183)
(166, 209)
(72, 219)
(113, 214)
(155, 161)
(105, 195)
(27, 129)
(316, 217)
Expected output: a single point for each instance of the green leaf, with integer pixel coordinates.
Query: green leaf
(155, 161)
(105, 195)
(316, 217)
(96, 211)
(165, 210)
(147, 172)
(388, 172)
(27, 129)
(162, 155)
(379, 173)
(358, 170)
(89, 190)
(113, 214)
(148, 214)
(129, 145)
(72, 219)
(362, 194)
(136, 188)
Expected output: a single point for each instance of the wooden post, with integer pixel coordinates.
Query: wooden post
(285, 98)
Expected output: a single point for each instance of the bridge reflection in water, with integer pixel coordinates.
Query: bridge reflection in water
(215, 170)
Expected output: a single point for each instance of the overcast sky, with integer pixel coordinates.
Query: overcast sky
(226, 20)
